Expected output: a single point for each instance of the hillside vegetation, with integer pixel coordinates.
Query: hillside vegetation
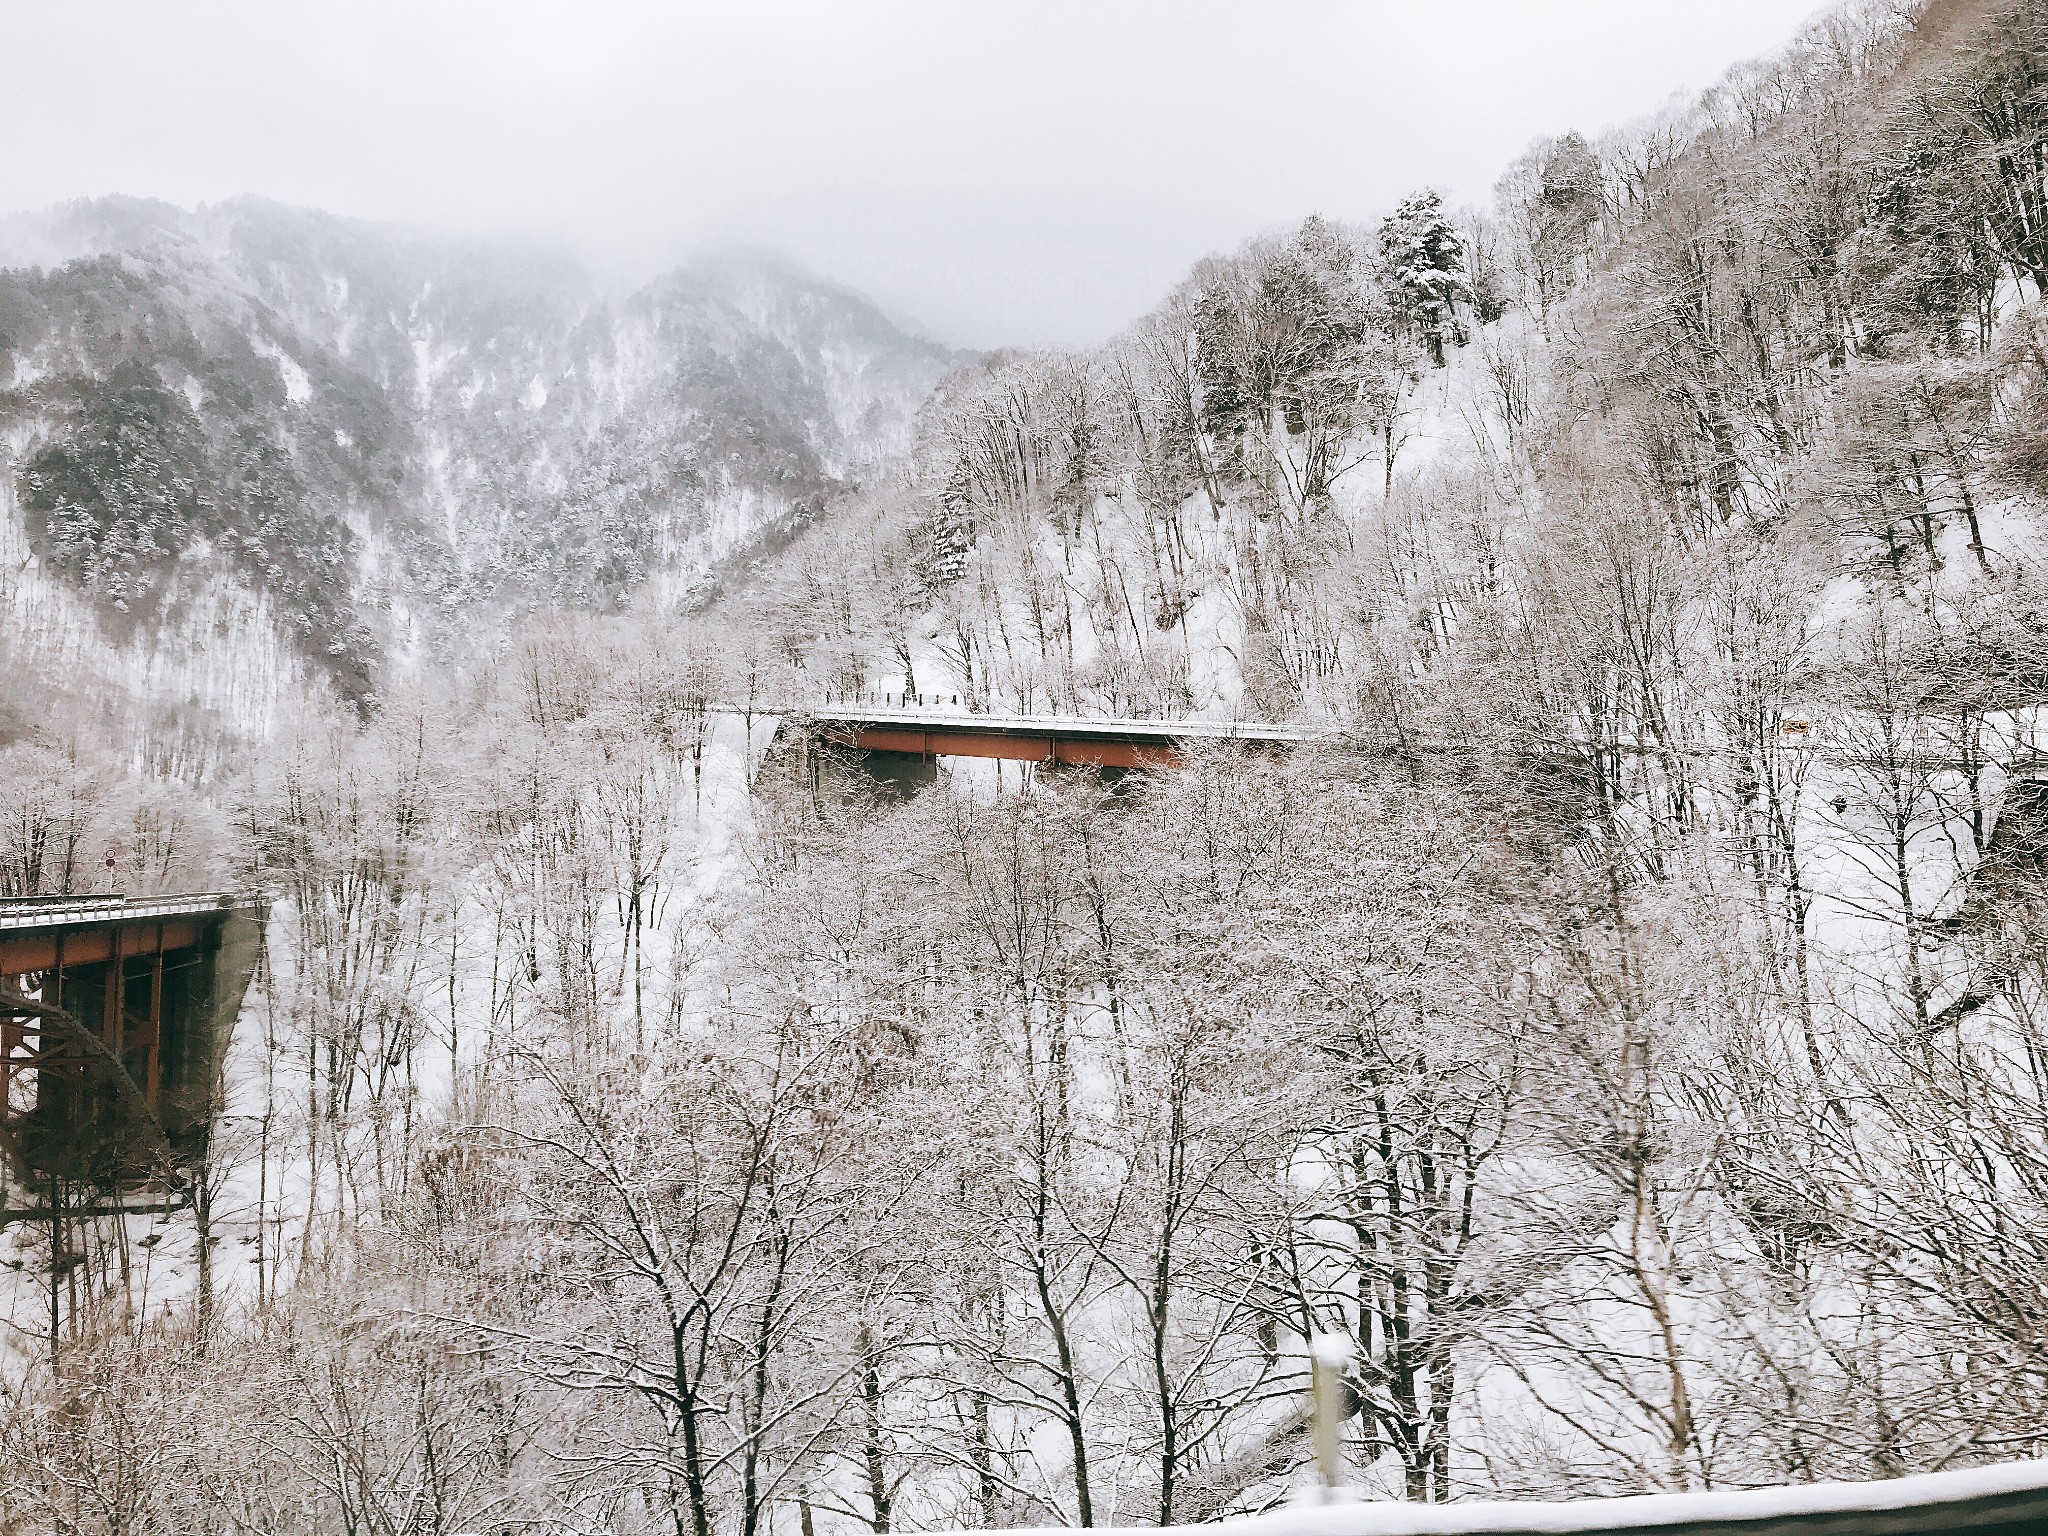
(1787, 336)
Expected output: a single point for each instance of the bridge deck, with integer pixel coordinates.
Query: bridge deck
(1091, 742)
(36, 930)
(113, 1017)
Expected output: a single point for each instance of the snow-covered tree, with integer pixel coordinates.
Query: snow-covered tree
(1422, 258)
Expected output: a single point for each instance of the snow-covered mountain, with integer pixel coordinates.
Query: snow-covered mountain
(360, 448)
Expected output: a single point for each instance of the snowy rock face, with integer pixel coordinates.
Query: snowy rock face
(403, 442)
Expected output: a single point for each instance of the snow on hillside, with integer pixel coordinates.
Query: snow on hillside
(409, 441)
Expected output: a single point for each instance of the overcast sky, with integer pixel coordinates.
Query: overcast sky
(1006, 171)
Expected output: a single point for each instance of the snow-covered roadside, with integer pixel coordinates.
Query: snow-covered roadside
(2007, 1497)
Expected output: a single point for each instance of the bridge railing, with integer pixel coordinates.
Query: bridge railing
(54, 911)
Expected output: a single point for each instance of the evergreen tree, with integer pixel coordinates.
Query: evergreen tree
(1423, 257)
(1567, 211)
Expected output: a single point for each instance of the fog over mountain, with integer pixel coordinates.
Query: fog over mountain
(401, 442)
(1016, 174)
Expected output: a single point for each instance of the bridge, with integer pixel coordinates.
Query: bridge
(114, 1020)
(921, 735)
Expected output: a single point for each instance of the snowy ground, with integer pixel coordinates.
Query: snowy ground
(2016, 1492)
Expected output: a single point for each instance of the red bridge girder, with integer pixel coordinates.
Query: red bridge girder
(1079, 742)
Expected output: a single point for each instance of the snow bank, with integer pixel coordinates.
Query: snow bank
(2001, 1498)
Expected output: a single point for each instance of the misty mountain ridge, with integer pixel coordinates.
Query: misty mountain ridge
(395, 443)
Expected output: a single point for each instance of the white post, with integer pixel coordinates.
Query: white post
(1328, 1353)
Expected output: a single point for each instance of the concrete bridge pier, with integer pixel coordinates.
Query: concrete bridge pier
(897, 774)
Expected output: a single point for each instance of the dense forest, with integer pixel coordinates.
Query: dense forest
(1627, 1025)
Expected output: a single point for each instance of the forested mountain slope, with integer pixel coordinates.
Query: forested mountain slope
(1625, 1031)
(1727, 378)
(382, 446)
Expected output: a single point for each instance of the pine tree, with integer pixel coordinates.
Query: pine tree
(1423, 257)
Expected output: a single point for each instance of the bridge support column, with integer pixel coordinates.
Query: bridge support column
(900, 774)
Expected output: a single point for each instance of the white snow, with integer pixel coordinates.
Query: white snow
(298, 388)
(1638, 1511)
